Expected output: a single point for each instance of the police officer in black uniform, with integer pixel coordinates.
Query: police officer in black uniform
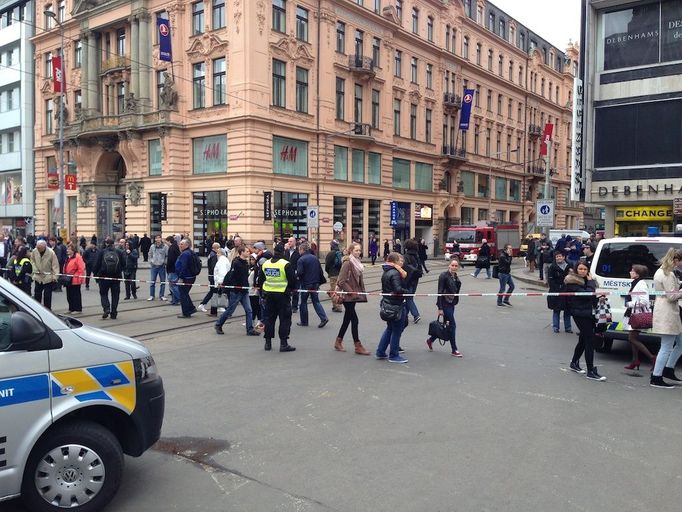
(278, 278)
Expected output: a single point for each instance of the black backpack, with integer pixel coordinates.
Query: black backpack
(111, 263)
(195, 265)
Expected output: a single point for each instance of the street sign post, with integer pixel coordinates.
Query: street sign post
(312, 214)
(544, 213)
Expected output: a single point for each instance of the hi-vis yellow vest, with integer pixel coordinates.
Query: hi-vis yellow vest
(275, 276)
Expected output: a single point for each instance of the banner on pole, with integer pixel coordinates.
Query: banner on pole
(70, 182)
(546, 139)
(58, 76)
(165, 51)
(467, 102)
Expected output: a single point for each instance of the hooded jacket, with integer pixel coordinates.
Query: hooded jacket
(581, 306)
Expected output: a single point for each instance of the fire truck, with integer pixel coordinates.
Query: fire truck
(469, 239)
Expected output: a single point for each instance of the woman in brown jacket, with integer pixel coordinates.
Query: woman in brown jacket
(350, 280)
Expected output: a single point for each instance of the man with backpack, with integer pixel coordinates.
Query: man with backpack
(110, 263)
(187, 268)
(332, 265)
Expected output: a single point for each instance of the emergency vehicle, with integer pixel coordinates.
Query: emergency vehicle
(73, 400)
(469, 239)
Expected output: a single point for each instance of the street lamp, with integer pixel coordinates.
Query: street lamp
(52, 15)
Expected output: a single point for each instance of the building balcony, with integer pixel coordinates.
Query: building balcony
(451, 102)
(536, 171)
(103, 126)
(534, 131)
(114, 63)
(362, 131)
(362, 67)
(454, 155)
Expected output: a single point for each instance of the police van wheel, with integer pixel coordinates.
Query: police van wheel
(77, 466)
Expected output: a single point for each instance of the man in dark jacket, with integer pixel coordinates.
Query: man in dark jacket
(309, 272)
(556, 274)
(332, 265)
(504, 275)
(186, 278)
(60, 251)
(173, 254)
(412, 265)
(238, 276)
(278, 278)
(89, 257)
(292, 254)
(110, 263)
(145, 245)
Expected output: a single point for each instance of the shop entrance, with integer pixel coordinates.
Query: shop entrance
(210, 219)
(111, 168)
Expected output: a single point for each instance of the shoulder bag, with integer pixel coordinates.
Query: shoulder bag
(642, 318)
(388, 311)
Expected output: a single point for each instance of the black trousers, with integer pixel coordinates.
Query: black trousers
(255, 307)
(350, 317)
(131, 284)
(73, 297)
(278, 305)
(43, 293)
(104, 287)
(585, 340)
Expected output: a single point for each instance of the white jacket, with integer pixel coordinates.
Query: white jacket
(222, 267)
(639, 294)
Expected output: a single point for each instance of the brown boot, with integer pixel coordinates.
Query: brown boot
(338, 345)
(359, 349)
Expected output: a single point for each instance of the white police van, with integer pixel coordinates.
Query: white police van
(73, 400)
(611, 269)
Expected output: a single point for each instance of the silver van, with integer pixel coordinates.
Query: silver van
(73, 400)
(611, 266)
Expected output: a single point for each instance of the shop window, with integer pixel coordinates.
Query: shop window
(467, 215)
(357, 216)
(374, 218)
(483, 214)
(340, 214)
(374, 169)
(423, 177)
(358, 166)
(156, 213)
(289, 156)
(340, 163)
(11, 189)
(290, 214)
(154, 153)
(209, 218)
(401, 173)
(209, 154)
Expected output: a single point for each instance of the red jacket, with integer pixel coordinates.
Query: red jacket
(75, 266)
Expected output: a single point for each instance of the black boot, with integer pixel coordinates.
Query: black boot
(268, 344)
(669, 373)
(285, 347)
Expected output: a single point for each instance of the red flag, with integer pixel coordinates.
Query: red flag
(58, 77)
(546, 139)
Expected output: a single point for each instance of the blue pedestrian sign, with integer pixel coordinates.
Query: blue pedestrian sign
(544, 213)
(313, 216)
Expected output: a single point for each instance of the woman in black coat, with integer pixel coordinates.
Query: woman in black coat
(130, 271)
(449, 286)
(556, 274)
(423, 248)
(582, 310)
(483, 260)
(393, 282)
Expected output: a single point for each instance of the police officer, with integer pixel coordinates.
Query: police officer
(278, 278)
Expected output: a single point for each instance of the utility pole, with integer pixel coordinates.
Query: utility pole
(548, 177)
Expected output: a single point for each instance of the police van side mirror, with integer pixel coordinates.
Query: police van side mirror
(24, 331)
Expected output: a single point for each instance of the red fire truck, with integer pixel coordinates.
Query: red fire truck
(469, 239)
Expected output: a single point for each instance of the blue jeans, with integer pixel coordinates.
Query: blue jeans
(505, 281)
(478, 271)
(160, 273)
(410, 306)
(391, 336)
(667, 355)
(303, 307)
(555, 320)
(238, 297)
(172, 280)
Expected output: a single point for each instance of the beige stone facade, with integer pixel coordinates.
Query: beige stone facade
(278, 102)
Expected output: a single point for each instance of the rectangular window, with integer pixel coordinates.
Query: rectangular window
(359, 44)
(219, 81)
(10, 142)
(121, 42)
(358, 166)
(429, 76)
(159, 87)
(218, 14)
(428, 124)
(376, 95)
(301, 90)
(397, 65)
(514, 190)
(377, 6)
(61, 10)
(199, 85)
(197, 18)
(279, 83)
(340, 99)
(423, 177)
(209, 154)
(301, 24)
(401, 173)
(48, 65)
(279, 15)
(414, 66)
(415, 21)
(467, 184)
(340, 37)
(340, 163)
(154, 153)
(399, 10)
(429, 28)
(374, 169)
(289, 156)
(631, 36)
(483, 186)
(501, 189)
(78, 54)
(120, 97)
(357, 111)
(467, 215)
(396, 117)
(413, 121)
(290, 214)
(376, 52)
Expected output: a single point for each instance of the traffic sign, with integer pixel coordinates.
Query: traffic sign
(544, 213)
(312, 214)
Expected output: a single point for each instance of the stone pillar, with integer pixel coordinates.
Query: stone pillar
(93, 79)
(145, 60)
(84, 71)
(134, 57)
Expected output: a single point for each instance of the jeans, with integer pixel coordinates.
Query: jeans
(585, 341)
(391, 336)
(160, 272)
(238, 297)
(211, 290)
(544, 268)
(555, 320)
(410, 306)
(174, 288)
(43, 293)
(478, 271)
(505, 281)
(667, 355)
(303, 308)
(449, 316)
(185, 300)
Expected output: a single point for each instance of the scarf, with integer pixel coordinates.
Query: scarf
(357, 264)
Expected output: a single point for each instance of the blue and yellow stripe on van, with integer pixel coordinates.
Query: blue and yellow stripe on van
(110, 382)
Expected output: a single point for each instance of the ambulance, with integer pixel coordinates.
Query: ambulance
(73, 400)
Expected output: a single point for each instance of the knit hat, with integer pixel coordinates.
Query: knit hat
(259, 246)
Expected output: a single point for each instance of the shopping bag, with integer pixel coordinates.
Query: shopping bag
(219, 300)
(439, 329)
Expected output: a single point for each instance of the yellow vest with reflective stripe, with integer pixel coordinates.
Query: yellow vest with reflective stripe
(275, 276)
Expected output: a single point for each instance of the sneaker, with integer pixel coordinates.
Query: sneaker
(416, 320)
(150, 298)
(379, 356)
(593, 374)
(507, 304)
(429, 343)
(457, 353)
(202, 308)
(401, 350)
(569, 331)
(658, 382)
(472, 275)
(398, 360)
(575, 367)
(162, 298)
(323, 323)
(218, 329)
(500, 304)
(556, 331)
(252, 332)
(221, 311)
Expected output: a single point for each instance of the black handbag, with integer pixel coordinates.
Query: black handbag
(65, 280)
(496, 272)
(439, 329)
(389, 312)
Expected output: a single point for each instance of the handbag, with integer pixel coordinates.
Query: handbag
(219, 300)
(642, 318)
(336, 297)
(389, 312)
(602, 313)
(439, 329)
(496, 272)
(65, 280)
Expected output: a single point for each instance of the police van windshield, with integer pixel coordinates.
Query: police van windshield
(616, 259)
(462, 237)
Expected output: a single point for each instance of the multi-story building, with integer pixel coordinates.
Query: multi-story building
(16, 119)
(633, 113)
(270, 107)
